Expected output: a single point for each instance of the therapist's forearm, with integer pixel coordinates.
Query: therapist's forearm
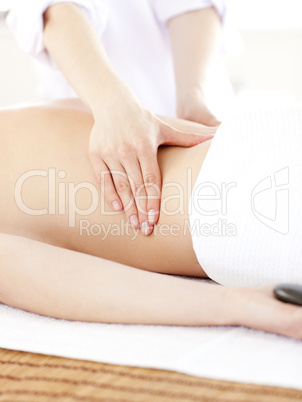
(76, 48)
(195, 39)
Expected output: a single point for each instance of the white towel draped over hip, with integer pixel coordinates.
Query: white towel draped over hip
(246, 207)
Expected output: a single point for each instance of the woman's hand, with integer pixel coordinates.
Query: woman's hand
(123, 151)
(258, 308)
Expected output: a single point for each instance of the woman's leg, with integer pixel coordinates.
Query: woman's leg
(60, 283)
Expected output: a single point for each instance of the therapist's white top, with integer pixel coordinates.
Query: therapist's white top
(134, 35)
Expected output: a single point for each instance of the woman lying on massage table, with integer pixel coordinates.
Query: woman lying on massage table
(66, 254)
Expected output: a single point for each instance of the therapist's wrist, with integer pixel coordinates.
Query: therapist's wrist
(102, 92)
(193, 105)
(111, 96)
(191, 94)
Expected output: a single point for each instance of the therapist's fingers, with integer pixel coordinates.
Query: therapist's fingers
(134, 173)
(152, 181)
(172, 136)
(124, 191)
(103, 175)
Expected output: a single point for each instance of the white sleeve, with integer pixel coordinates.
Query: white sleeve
(26, 22)
(167, 9)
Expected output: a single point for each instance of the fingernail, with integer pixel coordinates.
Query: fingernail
(145, 228)
(151, 216)
(116, 205)
(134, 221)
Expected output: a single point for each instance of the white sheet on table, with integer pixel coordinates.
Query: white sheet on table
(227, 353)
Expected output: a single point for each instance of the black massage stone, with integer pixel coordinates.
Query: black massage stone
(289, 293)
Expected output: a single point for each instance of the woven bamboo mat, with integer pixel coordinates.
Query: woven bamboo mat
(29, 377)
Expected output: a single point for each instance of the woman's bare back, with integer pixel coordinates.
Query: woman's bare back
(50, 193)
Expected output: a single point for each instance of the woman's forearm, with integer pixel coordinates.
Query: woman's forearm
(61, 283)
(76, 48)
(195, 39)
(65, 284)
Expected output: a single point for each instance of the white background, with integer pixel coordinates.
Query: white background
(268, 71)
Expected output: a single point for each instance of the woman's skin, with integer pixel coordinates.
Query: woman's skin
(60, 279)
(56, 137)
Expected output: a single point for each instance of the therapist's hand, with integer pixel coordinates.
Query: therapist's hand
(193, 106)
(124, 140)
(123, 151)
